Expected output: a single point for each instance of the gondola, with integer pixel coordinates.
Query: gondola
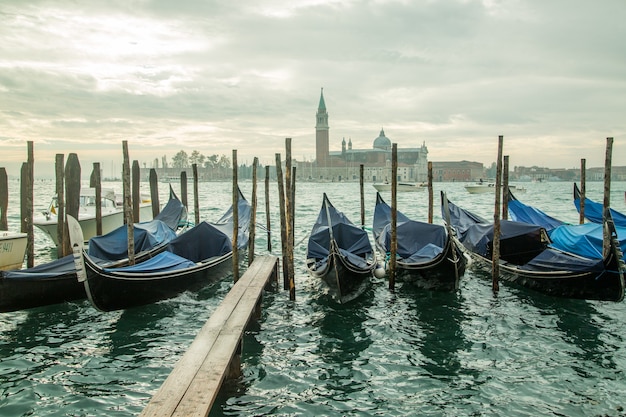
(426, 255)
(581, 239)
(56, 282)
(201, 255)
(340, 253)
(594, 210)
(527, 259)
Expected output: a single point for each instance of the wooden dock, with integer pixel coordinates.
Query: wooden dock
(214, 355)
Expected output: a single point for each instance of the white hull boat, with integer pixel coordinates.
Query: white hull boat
(12, 250)
(402, 187)
(112, 214)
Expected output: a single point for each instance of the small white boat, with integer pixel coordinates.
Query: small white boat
(12, 250)
(112, 214)
(480, 188)
(402, 187)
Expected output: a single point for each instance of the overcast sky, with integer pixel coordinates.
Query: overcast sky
(214, 76)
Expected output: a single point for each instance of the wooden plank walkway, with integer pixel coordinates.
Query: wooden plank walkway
(195, 381)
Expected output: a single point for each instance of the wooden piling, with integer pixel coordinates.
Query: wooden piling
(196, 197)
(72, 196)
(394, 216)
(96, 183)
(128, 212)
(26, 206)
(362, 192)
(268, 224)
(235, 218)
(136, 193)
(583, 190)
(292, 268)
(183, 189)
(607, 195)
(255, 165)
(505, 188)
(288, 213)
(4, 199)
(283, 226)
(430, 192)
(495, 258)
(154, 192)
(59, 170)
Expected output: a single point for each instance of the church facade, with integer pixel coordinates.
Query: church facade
(376, 161)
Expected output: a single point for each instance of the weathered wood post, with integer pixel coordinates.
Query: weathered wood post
(72, 196)
(288, 213)
(430, 192)
(128, 212)
(96, 183)
(154, 192)
(607, 195)
(196, 198)
(27, 195)
(268, 224)
(505, 188)
(362, 190)
(283, 226)
(59, 169)
(4, 199)
(292, 268)
(495, 256)
(136, 194)
(255, 165)
(394, 216)
(583, 190)
(183, 189)
(235, 218)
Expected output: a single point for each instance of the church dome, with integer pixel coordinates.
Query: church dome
(382, 141)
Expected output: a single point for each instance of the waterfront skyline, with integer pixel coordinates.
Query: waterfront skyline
(217, 76)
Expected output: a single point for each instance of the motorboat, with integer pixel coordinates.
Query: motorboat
(12, 249)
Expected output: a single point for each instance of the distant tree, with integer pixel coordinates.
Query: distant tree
(180, 160)
(224, 162)
(211, 161)
(196, 158)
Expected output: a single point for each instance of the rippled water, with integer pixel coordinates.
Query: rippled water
(411, 352)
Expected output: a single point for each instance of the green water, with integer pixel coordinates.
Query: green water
(408, 352)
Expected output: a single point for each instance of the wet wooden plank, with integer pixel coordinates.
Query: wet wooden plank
(195, 381)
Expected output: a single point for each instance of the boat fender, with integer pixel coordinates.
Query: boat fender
(379, 271)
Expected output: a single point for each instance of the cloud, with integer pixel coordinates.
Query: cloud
(216, 76)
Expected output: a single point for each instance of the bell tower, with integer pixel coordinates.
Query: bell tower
(321, 133)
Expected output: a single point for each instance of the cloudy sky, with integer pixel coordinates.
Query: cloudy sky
(219, 75)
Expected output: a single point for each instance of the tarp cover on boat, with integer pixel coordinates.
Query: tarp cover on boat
(349, 237)
(520, 212)
(519, 242)
(201, 242)
(418, 242)
(163, 262)
(594, 210)
(114, 245)
(58, 267)
(552, 260)
(225, 223)
(584, 239)
(174, 213)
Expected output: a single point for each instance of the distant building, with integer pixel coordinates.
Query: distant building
(344, 164)
(458, 171)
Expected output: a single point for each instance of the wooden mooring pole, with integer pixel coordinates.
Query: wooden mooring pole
(495, 256)
(505, 188)
(394, 216)
(4, 199)
(583, 190)
(136, 193)
(72, 196)
(235, 218)
(283, 220)
(27, 196)
(607, 195)
(362, 192)
(128, 211)
(430, 192)
(59, 170)
(183, 189)
(251, 248)
(196, 198)
(268, 224)
(96, 183)
(154, 192)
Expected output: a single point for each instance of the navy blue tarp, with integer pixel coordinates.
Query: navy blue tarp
(163, 262)
(114, 245)
(522, 213)
(349, 237)
(418, 242)
(56, 268)
(201, 242)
